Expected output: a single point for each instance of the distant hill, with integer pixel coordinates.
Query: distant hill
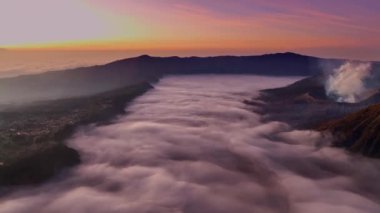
(95, 79)
(283, 64)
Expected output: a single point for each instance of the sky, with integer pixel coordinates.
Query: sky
(328, 28)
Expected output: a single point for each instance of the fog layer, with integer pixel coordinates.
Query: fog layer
(191, 145)
(16, 62)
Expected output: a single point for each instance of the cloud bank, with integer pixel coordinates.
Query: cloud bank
(191, 145)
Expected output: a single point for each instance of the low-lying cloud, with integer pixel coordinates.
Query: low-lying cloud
(191, 145)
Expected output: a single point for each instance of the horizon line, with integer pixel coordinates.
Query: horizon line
(142, 52)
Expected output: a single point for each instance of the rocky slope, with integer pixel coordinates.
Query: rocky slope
(359, 132)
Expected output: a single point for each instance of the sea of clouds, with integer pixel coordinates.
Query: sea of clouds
(191, 145)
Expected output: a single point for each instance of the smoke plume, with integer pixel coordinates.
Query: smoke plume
(347, 83)
(191, 145)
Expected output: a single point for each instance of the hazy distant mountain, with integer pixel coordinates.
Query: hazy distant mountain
(95, 79)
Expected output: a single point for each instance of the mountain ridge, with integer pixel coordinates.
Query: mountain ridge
(100, 78)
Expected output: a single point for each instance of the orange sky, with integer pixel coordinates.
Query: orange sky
(340, 28)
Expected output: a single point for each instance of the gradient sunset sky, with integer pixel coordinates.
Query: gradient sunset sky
(327, 28)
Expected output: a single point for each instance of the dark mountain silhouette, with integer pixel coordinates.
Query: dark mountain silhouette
(95, 79)
(285, 64)
(314, 86)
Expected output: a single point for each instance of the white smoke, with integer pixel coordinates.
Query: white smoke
(346, 83)
(191, 145)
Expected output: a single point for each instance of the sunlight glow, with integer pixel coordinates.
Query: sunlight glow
(247, 26)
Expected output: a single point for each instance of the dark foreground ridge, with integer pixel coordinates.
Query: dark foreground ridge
(32, 148)
(358, 132)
